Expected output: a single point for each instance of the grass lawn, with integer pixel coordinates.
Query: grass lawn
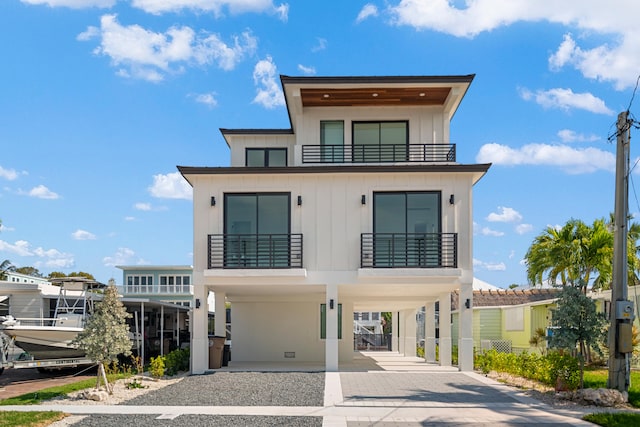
(613, 419)
(29, 419)
(598, 379)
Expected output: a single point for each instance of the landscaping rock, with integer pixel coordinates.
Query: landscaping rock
(603, 397)
(96, 395)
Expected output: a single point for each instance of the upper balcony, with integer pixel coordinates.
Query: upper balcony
(255, 251)
(409, 250)
(379, 153)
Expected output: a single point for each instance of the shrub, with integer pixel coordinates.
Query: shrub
(547, 369)
(156, 367)
(176, 361)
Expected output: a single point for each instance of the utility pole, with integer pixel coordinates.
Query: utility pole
(621, 312)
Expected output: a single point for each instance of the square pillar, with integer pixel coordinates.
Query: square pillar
(445, 329)
(408, 332)
(395, 330)
(331, 341)
(430, 332)
(220, 324)
(199, 334)
(465, 328)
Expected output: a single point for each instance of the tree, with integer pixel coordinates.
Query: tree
(59, 274)
(572, 254)
(106, 334)
(5, 267)
(577, 324)
(29, 271)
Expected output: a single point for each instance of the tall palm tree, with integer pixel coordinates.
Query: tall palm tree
(574, 254)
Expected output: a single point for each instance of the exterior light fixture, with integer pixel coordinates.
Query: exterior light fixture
(331, 304)
(197, 302)
(452, 199)
(213, 200)
(299, 200)
(326, 95)
(374, 95)
(467, 303)
(363, 199)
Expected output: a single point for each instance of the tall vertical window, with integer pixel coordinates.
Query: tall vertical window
(406, 229)
(256, 228)
(380, 141)
(323, 321)
(332, 140)
(266, 157)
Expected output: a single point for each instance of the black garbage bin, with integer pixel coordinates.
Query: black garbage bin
(216, 349)
(226, 355)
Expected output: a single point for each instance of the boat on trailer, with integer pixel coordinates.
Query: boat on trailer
(50, 338)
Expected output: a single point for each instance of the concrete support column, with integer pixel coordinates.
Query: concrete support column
(199, 335)
(395, 329)
(331, 341)
(445, 329)
(465, 328)
(220, 325)
(430, 332)
(409, 336)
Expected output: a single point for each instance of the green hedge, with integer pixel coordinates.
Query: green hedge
(548, 369)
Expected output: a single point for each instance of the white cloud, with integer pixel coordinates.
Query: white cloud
(308, 71)
(215, 6)
(4, 228)
(265, 78)
(208, 99)
(490, 266)
(171, 186)
(617, 19)
(505, 215)
(129, 218)
(486, 231)
(142, 206)
(523, 228)
(83, 235)
(123, 256)
(51, 257)
(8, 174)
(73, 4)
(367, 11)
(321, 45)
(565, 99)
(567, 135)
(42, 192)
(144, 54)
(571, 160)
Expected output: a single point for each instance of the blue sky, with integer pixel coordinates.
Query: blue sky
(101, 99)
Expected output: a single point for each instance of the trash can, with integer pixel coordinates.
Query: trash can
(226, 356)
(216, 348)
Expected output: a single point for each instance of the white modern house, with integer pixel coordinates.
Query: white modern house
(360, 206)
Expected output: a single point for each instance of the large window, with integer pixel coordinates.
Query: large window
(406, 229)
(175, 284)
(139, 284)
(380, 141)
(266, 157)
(257, 228)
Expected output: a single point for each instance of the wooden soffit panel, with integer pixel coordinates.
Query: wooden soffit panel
(355, 97)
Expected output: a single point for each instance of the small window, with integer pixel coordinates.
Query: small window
(266, 157)
(323, 321)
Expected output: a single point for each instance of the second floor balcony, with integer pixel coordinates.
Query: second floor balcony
(379, 153)
(254, 251)
(409, 250)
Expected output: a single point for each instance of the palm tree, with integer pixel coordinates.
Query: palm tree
(4, 267)
(573, 254)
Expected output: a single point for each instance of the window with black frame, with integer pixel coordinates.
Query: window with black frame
(256, 230)
(266, 157)
(407, 230)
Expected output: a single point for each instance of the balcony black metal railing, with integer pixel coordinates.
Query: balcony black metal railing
(255, 251)
(377, 153)
(409, 250)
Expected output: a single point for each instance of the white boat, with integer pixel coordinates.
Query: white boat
(50, 338)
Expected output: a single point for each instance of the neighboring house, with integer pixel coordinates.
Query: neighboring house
(14, 277)
(166, 283)
(360, 206)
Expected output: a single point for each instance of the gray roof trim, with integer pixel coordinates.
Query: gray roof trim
(284, 79)
(204, 170)
(225, 131)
